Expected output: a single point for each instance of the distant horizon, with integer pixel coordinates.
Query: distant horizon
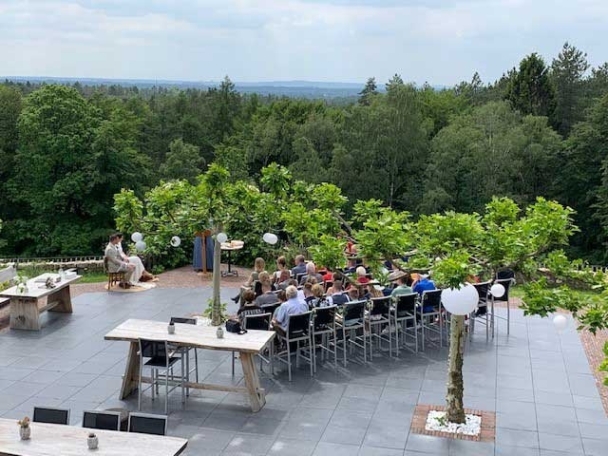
(202, 81)
(271, 41)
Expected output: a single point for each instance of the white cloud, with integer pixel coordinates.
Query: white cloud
(441, 42)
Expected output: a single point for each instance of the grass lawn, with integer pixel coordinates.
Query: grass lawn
(87, 276)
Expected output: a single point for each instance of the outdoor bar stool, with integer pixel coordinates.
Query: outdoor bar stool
(403, 312)
(482, 312)
(261, 322)
(185, 351)
(324, 327)
(504, 298)
(379, 317)
(298, 331)
(353, 319)
(160, 362)
(430, 315)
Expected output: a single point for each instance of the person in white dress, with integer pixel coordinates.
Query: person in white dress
(139, 274)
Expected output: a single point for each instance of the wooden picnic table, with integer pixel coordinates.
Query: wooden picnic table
(27, 306)
(198, 336)
(58, 439)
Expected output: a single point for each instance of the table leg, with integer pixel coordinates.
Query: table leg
(257, 396)
(130, 377)
(25, 314)
(64, 298)
(229, 262)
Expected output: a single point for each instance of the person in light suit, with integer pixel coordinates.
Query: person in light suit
(115, 263)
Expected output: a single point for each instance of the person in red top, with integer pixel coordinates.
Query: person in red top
(362, 275)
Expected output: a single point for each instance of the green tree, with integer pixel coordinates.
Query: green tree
(369, 91)
(183, 161)
(394, 82)
(530, 90)
(567, 72)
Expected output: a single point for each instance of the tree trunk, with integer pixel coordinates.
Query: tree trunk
(455, 407)
(216, 312)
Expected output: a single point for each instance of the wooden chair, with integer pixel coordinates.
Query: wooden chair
(114, 278)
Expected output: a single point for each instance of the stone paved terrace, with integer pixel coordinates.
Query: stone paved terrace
(537, 381)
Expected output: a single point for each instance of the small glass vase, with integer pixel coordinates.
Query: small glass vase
(93, 442)
(220, 332)
(25, 432)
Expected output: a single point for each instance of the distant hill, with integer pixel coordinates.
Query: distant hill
(300, 89)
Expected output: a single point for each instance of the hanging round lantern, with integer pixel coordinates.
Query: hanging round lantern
(136, 237)
(175, 241)
(270, 238)
(460, 301)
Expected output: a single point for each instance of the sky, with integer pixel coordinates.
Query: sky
(441, 42)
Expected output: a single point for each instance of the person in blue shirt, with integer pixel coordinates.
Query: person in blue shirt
(300, 267)
(292, 306)
(424, 284)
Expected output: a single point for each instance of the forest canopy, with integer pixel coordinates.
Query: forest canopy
(541, 130)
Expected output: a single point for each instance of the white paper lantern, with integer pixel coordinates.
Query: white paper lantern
(497, 290)
(140, 246)
(221, 237)
(560, 322)
(176, 241)
(460, 301)
(270, 238)
(136, 237)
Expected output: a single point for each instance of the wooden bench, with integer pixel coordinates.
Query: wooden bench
(7, 274)
(26, 306)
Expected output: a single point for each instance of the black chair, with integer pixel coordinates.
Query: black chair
(481, 312)
(504, 298)
(146, 423)
(379, 318)
(101, 420)
(430, 315)
(261, 322)
(299, 277)
(160, 362)
(51, 415)
(185, 351)
(403, 313)
(324, 328)
(298, 331)
(270, 308)
(353, 319)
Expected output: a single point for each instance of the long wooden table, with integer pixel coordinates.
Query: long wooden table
(26, 306)
(198, 336)
(57, 439)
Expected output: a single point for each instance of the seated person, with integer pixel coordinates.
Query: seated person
(268, 295)
(300, 267)
(139, 273)
(317, 297)
(308, 296)
(292, 306)
(424, 284)
(249, 307)
(282, 274)
(263, 279)
(351, 266)
(362, 275)
(116, 263)
(326, 275)
(311, 272)
(400, 280)
(337, 295)
(258, 266)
